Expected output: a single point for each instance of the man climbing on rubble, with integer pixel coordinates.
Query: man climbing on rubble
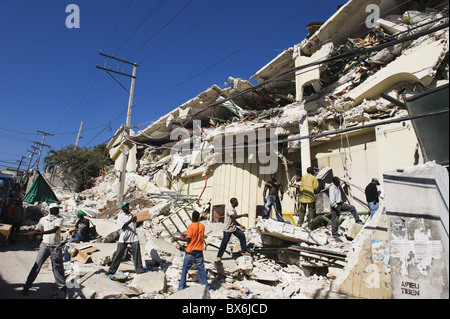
(50, 229)
(231, 227)
(337, 206)
(195, 237)
(308, 188)
(128, 236)
(372, 194)
(273, 186)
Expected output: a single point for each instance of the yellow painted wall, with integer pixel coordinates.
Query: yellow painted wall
(244, 182)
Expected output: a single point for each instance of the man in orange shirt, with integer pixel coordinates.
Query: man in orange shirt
(195, 237)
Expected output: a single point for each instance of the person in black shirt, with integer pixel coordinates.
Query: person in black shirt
(372, 196)
(79, 233)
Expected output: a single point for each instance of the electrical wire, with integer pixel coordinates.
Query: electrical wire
(118, 23)
(236, 51)
(151, 13)
(186, 33)
(161, 29)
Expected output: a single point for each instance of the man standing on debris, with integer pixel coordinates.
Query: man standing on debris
(231, 228)
(372, 196)
(195, 237)
(308, 188)
(128, 236)
(273, 186)
(337, 206)
(50, 229)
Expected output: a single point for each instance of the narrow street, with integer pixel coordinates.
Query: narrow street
(15, 263)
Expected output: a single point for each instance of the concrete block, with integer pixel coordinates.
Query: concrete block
(161, 250)
(105, 288)
(290, 233)
(150, 281)
(194, 292)
(245, 263)
(262, 291)
(291, 289)
(108, 229)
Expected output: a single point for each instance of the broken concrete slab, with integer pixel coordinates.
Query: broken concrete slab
(292, 288)
(290, 232)
(194, 292)
(161, 250)
(154, 281)
(105, 288)
(262, 291)
(108, 230)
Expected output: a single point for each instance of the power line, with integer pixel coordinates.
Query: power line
(187, 32)
(152, 12)
(236, 51)
(117, 25)
(162, 28)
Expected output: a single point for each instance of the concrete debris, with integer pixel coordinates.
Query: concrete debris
(195, 292)
(287, 261)
(290, 233)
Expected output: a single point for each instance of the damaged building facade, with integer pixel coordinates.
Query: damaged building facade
(304, 107)
(345, 101)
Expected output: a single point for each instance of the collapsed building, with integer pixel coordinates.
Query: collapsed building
(305, 107)
(342, 102)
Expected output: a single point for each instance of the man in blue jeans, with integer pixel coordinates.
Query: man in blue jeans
(195, 237)
(231, 228)
(372, 194)
(273, 186)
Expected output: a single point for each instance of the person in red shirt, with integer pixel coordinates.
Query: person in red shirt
(195, 237)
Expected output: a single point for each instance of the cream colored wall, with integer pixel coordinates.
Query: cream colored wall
(362, 161)
(244, 182)
(369, 154)
(397, 146)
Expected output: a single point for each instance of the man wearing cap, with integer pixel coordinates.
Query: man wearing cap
(79, 233)
(372, 196)
(128, 236)
(50, 229)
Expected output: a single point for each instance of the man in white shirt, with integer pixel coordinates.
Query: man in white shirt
(50, 229)
(337, 205)
(128, 236)
(231, 227)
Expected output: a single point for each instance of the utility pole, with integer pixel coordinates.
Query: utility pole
(31, 156)
(20, 163)
(44, 134)
(79, 132)
(126, 131)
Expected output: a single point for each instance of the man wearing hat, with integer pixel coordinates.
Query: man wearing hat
(372, 196)
(81, 230)
(50, 229)
(128, 236)
(79, 233)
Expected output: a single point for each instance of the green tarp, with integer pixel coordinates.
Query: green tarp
(40, 192)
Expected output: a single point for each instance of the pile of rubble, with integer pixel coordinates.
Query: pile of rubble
(286, 262)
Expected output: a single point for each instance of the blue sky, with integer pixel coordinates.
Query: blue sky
(49, 80)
